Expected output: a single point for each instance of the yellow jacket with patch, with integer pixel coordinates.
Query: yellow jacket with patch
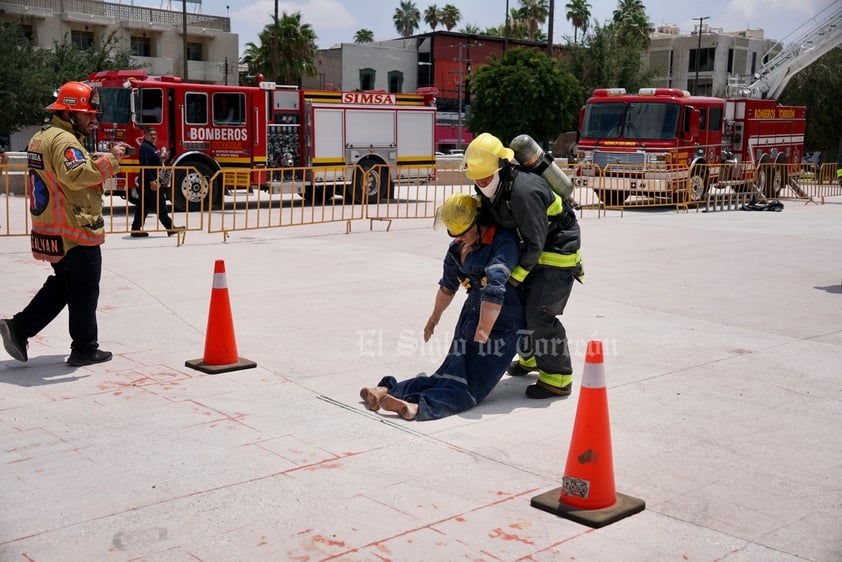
(65, 191)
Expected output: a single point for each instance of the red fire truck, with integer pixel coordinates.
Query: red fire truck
(361, 138)
(654, 141)
(368, 139)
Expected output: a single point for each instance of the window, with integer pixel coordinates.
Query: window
(367, 78)
(197, 108)
(229, 109)
(715, 119)
(194, 51)
(704, 56)
(395, 82)
(83, 40)
(141, 46)
(151, 105)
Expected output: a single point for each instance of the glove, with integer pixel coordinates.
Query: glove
(580, 275)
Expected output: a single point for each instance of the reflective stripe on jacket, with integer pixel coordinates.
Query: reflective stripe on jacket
(65, 190)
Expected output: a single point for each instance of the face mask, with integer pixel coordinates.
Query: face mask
(490, 190)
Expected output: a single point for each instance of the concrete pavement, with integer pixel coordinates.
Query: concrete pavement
(723, 342)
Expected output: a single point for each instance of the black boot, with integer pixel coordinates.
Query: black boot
(79, 359)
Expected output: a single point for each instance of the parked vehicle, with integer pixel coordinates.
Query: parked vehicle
(660, 140)
(366, 140)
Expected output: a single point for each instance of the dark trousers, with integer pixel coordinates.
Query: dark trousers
(547, 290)
(155, 201)
(75, 284)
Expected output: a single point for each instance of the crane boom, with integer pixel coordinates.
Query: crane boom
(785, 58)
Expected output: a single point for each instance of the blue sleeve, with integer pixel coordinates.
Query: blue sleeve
(505, 255)
(450, 269)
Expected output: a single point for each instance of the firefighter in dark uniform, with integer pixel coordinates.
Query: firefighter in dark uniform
(524, 202)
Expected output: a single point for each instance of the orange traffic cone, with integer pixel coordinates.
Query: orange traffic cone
(587, 494)
(220, 344)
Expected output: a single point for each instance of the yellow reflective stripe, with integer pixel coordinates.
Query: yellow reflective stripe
(559, 260)
(559, 381)
(551, 259)
(556, 207)
(528, 362)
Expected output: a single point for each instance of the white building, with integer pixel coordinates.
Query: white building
(702, 63)
(154, 36)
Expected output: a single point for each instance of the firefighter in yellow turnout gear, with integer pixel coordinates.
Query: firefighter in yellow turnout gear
(68, 228)
(546, 225)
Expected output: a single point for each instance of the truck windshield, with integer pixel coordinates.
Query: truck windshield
(115, 105)
(652, 121)
(637, 120)
(603, 120)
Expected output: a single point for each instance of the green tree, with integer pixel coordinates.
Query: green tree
(450, 16)
(579, 15)
(535, 13)
(406, 18)
(286, 53)
(363, 36)
(608, 59)
(432, 16)
(39, 72)
(818, 87)
(525, 91)
(632, 24)
(518, 26)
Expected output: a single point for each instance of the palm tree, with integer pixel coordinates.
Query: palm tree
(363, 36)
(472, 29)
(450, 16)
(578, 14)
(406, 18)
(518, 26)
(286, 53)
(432, 16)
(632, 22)
(626, 8)
(534, 12)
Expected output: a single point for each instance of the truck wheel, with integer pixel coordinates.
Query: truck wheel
(612, 198)
(764, 177)
(371, 180)
(314, 194)
(699, 183)
(193, 190)
(780, 177)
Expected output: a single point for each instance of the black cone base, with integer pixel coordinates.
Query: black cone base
(623, 507)
(200, 365)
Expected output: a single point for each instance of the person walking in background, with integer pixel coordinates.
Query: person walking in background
(65, 190)
(524, 202)
(151, 194)
(481, 258)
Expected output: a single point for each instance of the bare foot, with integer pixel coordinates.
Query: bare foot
(407, 410)
(372, 396)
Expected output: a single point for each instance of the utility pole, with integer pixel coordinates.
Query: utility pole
(698, 52)
(184, 34)
(460, 88)
(459, 93)
(506, 35)
(550, 29)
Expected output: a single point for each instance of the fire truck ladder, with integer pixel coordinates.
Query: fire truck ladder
(783, 61)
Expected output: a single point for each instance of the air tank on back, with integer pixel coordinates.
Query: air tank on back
(530, 156)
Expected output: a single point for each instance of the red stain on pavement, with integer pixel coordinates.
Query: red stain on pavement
(501, 534)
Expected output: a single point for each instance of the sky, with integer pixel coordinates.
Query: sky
(336, 21)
